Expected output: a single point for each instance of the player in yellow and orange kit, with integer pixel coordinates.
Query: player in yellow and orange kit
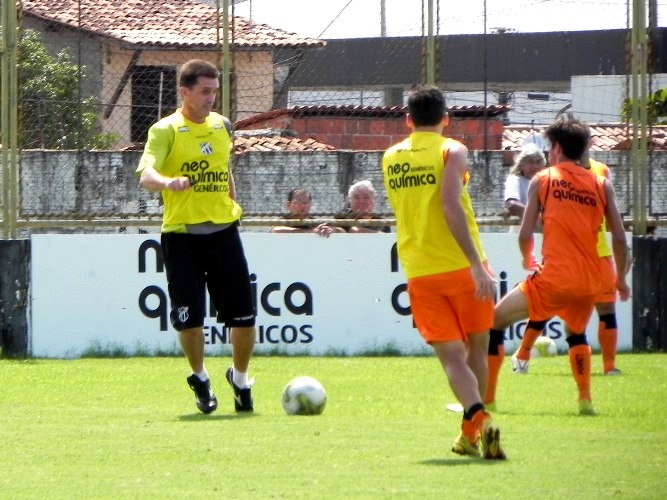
(451, 288)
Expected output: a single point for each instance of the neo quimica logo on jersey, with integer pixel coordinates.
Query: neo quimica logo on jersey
(564, 190)
(402, 175)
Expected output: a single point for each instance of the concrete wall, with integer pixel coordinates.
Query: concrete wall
(102, 184)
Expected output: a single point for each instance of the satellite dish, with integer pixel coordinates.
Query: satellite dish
(538, 139)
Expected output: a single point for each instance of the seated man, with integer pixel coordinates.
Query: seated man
(361, 205)
(299, 202)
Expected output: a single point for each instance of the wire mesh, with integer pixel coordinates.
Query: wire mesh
(95, 75)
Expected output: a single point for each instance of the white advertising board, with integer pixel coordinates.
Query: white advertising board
(341, 295)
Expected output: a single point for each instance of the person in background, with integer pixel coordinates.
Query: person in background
(186, 158)
(299, 202)
(573, 202)
(527, 163)
(450, 285)
(605, 300)
(361, 206)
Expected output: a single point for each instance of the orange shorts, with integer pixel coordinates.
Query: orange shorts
(607, 294)
(545, 301)
(444, 306)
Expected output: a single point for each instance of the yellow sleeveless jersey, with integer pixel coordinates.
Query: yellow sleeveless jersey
(604, 248)
(178, 147)
(413, 171)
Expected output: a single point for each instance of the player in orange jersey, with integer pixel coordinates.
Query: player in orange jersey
(605, 300)
(573, 201)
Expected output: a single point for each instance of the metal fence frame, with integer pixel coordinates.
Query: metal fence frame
(13, 220)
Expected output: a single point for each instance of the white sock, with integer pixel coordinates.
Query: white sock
(202, 375)
(240, 378)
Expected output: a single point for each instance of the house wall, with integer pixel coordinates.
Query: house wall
(253, 88)
(106, 62)
(372, 134)
(83, 49)
(257, 95)
(510, 62)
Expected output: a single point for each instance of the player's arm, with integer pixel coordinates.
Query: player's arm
(152, 180)
(619, 242)
(158, 146)
(529, 223)
(232, 183)
(450, 197)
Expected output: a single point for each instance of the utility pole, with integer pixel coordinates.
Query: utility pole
(9, 116)
(639, 156)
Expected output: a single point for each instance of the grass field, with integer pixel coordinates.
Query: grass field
(128, 428)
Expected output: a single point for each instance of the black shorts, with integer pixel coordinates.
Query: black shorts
(196, 262)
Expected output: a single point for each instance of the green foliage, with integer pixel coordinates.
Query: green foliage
(657, 108)
(128, 428)
(52, 114)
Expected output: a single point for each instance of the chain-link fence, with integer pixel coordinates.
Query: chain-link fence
(94, 75)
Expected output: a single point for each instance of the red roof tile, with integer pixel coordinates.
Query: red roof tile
(605, 137)
(365, 112)
(263, 140)
(164, 23)
(267, 140)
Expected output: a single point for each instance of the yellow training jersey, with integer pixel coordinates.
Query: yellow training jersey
(604, 248)
(178, 147)
(413, 171)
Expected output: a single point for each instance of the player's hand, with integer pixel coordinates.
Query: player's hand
(628, 261)
(623, 289)
(178, 184)
(485, 283)
(530, 263)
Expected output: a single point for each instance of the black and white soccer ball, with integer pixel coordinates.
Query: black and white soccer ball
(304, 396)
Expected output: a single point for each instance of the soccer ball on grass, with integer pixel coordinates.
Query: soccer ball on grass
(304, 396)
(544, 347)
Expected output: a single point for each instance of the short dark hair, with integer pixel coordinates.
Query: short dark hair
(193, 69)
(427, 106)
(571, 134)
(293, 192)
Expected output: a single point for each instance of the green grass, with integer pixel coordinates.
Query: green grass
(128, 428)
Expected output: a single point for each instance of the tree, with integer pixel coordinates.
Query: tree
(657, 108)
(52, 115)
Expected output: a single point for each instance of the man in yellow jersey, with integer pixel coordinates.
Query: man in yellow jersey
(451, 288)
(605, 300)
(572, 202)
(186, 158)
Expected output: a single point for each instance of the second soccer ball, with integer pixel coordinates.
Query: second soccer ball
(544, 347)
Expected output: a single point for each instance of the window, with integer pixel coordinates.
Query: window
(153, 96)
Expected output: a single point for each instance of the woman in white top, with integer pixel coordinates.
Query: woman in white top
(527, 163)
